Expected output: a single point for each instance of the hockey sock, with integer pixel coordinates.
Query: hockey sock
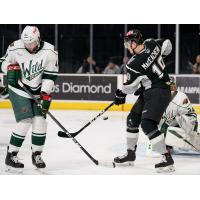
(38, 133)
(132, 137)
(18, 135)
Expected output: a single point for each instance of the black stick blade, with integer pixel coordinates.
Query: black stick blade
(64, 135)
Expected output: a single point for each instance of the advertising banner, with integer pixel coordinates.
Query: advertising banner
(189, 85)
(97, 88)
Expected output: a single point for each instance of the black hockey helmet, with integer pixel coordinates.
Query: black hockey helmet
(133, 35)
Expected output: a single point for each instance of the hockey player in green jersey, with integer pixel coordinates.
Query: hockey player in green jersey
(35, 63)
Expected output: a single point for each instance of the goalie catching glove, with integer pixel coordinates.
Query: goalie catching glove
(120, 97)
(45, 101)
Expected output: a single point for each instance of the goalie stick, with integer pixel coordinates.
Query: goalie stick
(63, 134)
(96, 162)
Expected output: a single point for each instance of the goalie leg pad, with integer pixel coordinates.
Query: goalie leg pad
(177, 137)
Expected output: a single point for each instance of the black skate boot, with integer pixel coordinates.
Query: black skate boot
(166, 165)
(37, 160)
(127, 159)
(12, 162)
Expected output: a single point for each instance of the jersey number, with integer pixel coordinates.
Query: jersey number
(156, 69)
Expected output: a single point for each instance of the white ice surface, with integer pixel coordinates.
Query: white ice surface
(103, 139)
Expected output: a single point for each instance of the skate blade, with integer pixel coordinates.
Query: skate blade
(167, 169)
(125, 164)
(13, 170)
(40, 170)
(108, 164)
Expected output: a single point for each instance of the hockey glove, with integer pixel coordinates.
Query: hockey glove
(45, 102)
(120, 97)
(2, 89)
(139, 91)
(4, 92)
(13, 74)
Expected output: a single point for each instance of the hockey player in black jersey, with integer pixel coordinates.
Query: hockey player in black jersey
(147, 78)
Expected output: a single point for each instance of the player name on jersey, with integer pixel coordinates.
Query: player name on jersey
(151, 58)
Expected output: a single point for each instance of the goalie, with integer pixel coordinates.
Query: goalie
(179, 122)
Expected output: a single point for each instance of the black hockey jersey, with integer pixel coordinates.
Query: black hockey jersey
(146, 69)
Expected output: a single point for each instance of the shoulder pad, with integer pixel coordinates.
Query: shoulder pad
(50, 47)
(149, 40)
(16, 44)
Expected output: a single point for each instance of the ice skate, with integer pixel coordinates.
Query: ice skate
(12, 163)
(127, 159)
(166, 165)
(38, 162)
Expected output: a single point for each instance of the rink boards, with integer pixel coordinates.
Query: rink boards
(95, 92)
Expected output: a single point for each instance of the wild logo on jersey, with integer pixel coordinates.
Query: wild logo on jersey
(33, 69)
(169, 117)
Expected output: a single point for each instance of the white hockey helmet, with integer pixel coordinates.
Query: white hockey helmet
(31, 37)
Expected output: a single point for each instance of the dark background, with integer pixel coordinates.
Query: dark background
(74, 42)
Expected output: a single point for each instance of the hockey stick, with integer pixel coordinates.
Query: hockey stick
(96, 162)
(63, 134)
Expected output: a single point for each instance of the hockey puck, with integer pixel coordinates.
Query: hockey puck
(105, 118)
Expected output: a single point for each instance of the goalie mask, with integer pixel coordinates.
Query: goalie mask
(31, 38)
(172, 84)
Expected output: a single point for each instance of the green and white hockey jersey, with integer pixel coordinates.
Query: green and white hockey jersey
(38, 70)
(180, 113)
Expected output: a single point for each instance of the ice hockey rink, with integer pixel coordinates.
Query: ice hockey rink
(103, 139)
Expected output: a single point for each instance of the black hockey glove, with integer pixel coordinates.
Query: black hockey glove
(2, 89)
(139, 91)
(4, 92)
(120, 97)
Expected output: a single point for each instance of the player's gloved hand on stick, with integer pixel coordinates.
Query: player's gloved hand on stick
(163, 128)
(139, 91)
(2, 89)
(13, 74)
(120, 97)
(4, 92)
(45, 101)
